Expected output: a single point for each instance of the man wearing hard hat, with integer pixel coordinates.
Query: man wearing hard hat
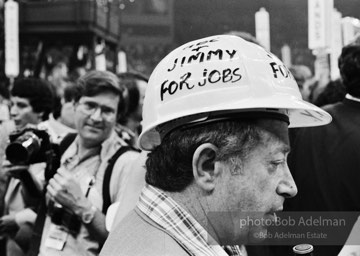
(215, 120)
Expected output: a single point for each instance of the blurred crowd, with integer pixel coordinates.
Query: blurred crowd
(143, 58)
(57, 126)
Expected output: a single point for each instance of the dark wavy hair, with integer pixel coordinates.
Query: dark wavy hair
(39, 93)
(349, 65)
(169, 165)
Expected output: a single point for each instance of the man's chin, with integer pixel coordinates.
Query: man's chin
(92, 137)
(18, 124)
(259, 233)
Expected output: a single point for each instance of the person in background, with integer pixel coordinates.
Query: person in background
(129, 126)
(67, 111)
(333, 92)
(217, 132)
(303, 75)
(325, 160)
(31, 103)
(6, 126)
(61, 122)
(58, 73)
(4, 103)
(81, 190)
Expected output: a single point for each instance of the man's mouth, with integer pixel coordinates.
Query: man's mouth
(94, 127)
(273, 214)
(17, 122)
(276, 218)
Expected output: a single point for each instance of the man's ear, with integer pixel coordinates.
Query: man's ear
(203, 165)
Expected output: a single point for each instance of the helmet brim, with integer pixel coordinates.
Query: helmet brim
(300, 113)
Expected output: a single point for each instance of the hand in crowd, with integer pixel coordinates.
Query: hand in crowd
(15, 171)
(8, 225)
(64, 189)
(31, 185)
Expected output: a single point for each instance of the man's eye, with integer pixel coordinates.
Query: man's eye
(107, 110)
(90, 105)
(21, 105)
(276, 164)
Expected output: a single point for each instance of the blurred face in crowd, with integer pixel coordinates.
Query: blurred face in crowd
(67, 114)
(142, 87)
(307, 88)
(303, 77)
(57, 76)
(255, 186)
(22, 112)
(95, 117)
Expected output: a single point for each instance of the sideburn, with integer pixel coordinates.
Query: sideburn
(236, 166)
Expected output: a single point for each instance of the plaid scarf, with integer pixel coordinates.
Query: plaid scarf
(163, 210)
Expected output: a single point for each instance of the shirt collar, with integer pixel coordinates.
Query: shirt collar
(108, 144)
(106, 148)
(164, 211)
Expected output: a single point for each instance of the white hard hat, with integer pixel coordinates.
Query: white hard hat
(216, 76)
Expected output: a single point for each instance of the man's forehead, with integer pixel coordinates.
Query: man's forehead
(276, 129)
(19, 99)
(100, 97)
(104, 101)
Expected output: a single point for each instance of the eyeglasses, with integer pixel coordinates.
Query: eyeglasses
(89, 108)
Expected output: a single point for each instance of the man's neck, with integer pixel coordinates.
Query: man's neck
(84, 151)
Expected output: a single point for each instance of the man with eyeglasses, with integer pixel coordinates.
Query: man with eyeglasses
(75, 220)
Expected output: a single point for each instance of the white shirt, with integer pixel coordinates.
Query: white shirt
(84, 244)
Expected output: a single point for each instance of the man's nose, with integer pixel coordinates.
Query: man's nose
(287, 187)
(96, 115)
(13, 111)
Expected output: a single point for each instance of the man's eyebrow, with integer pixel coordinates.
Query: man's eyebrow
(97, 104)
(285, 149)
(87, 100)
